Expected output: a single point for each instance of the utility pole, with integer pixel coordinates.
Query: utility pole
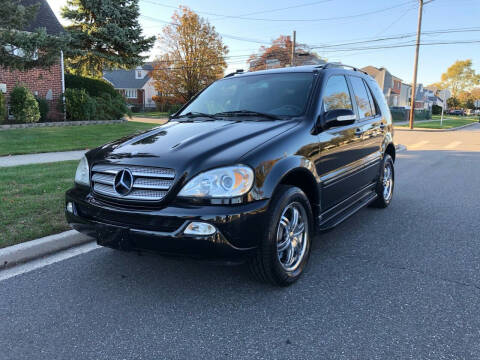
(292, 63)
(414, 87)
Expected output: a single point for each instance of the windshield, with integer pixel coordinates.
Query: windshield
(275, 94)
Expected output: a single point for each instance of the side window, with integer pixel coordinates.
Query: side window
(361, 97)
(336, 94)
(373, 105)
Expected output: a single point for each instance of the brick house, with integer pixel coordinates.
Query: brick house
(48, 83)
(136, 85)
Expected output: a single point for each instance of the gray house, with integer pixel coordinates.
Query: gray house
(136, 85)
(396, 92)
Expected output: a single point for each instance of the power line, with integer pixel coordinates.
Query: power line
(290, 20)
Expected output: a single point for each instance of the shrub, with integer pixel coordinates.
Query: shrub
(43, 107)
(436, 110)
(23, 105)
(110, 107)
(79, 105)
(93, 87)
(3, 108)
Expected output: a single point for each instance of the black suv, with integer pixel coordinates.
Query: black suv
(252, 167)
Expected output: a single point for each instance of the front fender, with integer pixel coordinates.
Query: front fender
(271, 173)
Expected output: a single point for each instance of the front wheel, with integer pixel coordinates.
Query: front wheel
(283, 253)
(385, 183)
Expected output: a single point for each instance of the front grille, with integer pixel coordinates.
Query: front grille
(149, 183)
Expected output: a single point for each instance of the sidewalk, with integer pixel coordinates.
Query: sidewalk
(41, 158)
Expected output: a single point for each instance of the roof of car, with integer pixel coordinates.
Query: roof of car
(299, 69)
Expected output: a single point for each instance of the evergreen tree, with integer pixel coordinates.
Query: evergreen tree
(105, 34)
(23, 50)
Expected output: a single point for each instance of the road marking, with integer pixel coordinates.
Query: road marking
(419, 144)
(453, 145)
(39, 263)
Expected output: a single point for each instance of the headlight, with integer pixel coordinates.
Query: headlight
(82, 176)
(223, 182)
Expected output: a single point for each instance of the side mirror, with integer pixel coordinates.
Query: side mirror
(338, 117)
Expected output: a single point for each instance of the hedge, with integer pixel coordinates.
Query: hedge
(23, 105)
(93, 87)
(3, 108)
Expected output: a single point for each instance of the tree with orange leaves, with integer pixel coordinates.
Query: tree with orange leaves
(193, 56)
(280, 53)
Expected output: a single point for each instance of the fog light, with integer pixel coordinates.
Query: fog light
(200, 228)
(70, 207)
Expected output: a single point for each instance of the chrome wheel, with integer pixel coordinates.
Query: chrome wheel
(387, 181)
(292, 236)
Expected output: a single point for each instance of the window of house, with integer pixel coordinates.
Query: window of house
(139, 74)
(336, 94)
(131, 93)
(361, 97)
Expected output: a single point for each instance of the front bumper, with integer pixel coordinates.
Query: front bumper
(239, 227)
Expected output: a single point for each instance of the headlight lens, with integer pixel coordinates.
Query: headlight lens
(82, 176)
(223, 182)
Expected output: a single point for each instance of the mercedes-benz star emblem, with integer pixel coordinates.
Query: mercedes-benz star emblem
(123, 182)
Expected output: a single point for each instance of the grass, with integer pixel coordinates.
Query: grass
(32, 200)
(449, 122)
(64, 138)
(152, 114)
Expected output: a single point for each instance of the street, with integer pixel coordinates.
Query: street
(400, 283)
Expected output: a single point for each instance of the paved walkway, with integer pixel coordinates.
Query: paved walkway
(41, 158)
(160, 121)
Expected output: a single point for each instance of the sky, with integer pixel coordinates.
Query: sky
(330, 26)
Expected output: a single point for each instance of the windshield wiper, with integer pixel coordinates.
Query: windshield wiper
(194, 114)
(248, 113)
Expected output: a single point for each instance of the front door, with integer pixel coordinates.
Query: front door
(340, 147)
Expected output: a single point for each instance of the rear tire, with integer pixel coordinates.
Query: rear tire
(283, 253)
(385, 183)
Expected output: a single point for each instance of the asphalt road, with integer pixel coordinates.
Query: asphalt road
(400, 283)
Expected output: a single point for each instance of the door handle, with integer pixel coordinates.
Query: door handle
(382, 126)
(358, 132)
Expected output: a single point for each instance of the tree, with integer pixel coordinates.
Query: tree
(24, 50)
(105, 34)
(466, 100)
(281, 52)
(460, 77)
(194, 56)
(453, 102)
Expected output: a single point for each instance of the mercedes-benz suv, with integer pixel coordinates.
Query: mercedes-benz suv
(250, 168)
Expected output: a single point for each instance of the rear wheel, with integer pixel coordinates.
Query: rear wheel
(283, 253)
(385, 183)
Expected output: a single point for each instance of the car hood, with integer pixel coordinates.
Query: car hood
(192, 145)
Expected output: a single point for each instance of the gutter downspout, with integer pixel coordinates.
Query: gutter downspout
(63, 85)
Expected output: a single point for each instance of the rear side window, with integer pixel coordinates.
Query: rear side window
(361, 97)
(336, 94)
(373, 105)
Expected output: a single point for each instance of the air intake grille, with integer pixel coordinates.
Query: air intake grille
(149, 183)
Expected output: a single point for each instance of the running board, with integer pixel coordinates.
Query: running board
(335, 220)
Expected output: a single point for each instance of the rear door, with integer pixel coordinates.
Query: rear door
(370, 130)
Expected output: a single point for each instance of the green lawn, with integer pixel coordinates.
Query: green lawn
(32, 200)
(152, 114)
(63, 138)
(448, 122)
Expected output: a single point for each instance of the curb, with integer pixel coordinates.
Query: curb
(34, 249)
(435, 130)
(60, 124)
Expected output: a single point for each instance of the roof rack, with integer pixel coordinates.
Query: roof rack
(239, 71)
(337, 64)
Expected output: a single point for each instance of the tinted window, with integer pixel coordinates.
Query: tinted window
(336, 94)
(278, 94)
(361, 97)
(370, 97)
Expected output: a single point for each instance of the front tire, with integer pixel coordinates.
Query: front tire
(285, 248)
(385, 183)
